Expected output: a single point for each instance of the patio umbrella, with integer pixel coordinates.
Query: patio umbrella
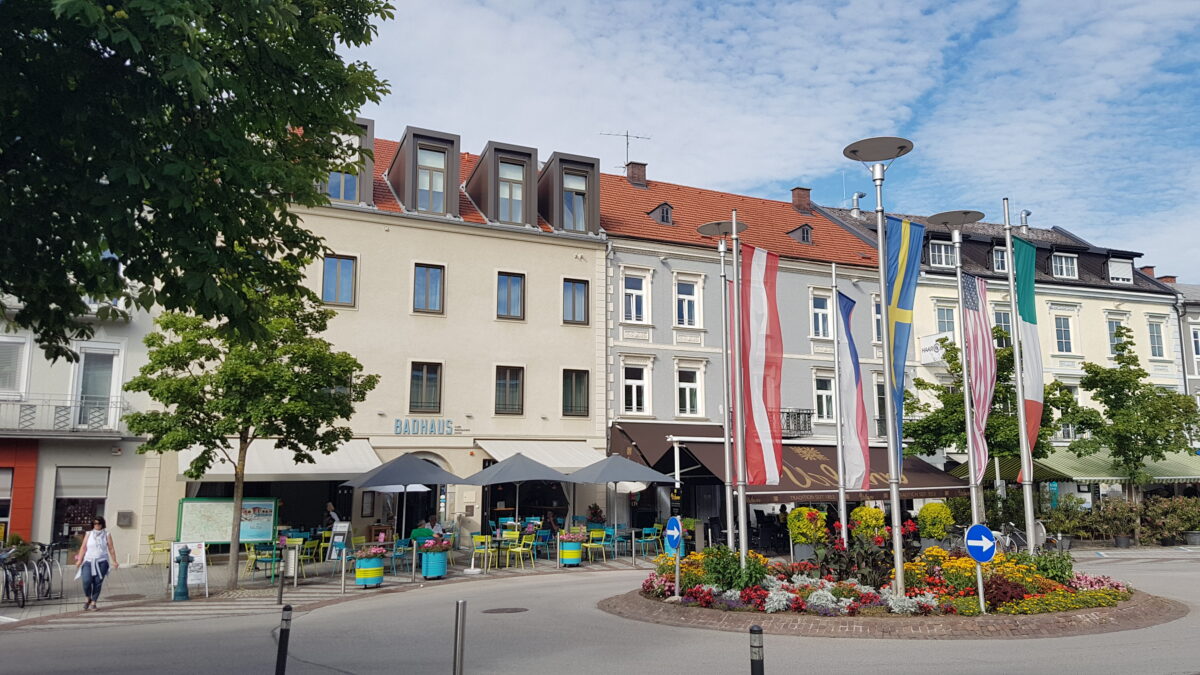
(616, 469)
(403, 474)
(404, 490)
(517, 469)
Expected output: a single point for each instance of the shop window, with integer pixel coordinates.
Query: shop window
(79, 496)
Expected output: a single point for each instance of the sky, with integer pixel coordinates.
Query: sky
(1084, 112)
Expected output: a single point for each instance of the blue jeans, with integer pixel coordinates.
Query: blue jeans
(92, 582)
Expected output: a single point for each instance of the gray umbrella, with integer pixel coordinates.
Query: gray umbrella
(517, 469)
(615, 469)
(398, 474)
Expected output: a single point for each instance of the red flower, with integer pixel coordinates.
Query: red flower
(879, 540)
(811, 516)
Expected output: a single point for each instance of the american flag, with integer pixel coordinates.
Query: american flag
(981, 359)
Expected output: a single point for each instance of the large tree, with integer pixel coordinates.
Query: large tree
(220, 395)
(940, 423)
(152, 152)
(1137, 421)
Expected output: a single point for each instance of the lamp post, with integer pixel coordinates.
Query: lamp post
(731, 228)
(956, 220)
(876, 151)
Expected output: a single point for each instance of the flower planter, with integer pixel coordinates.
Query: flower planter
(1193, 538)
(1123, 541)
(570, 553)
(803, 552)
(433, 565)
(928, 542)
(368, 572)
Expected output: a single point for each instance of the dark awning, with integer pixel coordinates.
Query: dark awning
(646, 442)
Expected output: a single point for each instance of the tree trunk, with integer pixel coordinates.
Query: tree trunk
(235, 536)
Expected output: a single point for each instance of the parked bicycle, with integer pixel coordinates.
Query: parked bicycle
(15, 573)
(43, 569)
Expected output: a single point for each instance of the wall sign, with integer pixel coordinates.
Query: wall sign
(424, 426)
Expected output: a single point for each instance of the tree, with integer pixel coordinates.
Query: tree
(153, 152)
(221, 394)
(1137, 421)
(942, 423)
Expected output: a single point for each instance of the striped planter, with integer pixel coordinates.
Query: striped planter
(433, 565)
(570, 552)
(368, 571)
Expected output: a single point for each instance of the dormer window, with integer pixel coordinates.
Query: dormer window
(342, 186)
(1064, 265)
(568, 193)
(999, 259)
(431, 180)
(501, 183)
(574, 202)
(1120, 271)
(424, 172)
(353, 185)
(511, 193)
(802, 234)
(941, 254)
(662, 214)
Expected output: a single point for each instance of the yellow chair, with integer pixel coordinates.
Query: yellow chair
(509, 538)
(526, 546)
(157, 547)
(326, 537)
(308, 553)
(481, 544)
(251, 558)
(597, 539)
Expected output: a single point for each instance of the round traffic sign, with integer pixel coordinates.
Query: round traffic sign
(981, 543)
(674, 532)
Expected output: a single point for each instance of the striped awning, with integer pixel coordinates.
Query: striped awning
(1064, 465)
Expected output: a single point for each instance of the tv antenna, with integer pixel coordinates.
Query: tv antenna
(628, 136)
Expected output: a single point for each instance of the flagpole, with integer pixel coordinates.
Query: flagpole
(1018, 367)
(728, 382)
(956, 237)
(837, 377)
(739, 411)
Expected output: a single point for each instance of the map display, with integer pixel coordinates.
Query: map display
(208, 520)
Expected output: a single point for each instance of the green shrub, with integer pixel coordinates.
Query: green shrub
(867, 522)
(933, 520)
(806, 526)
(965, 606)
(960, 509)
(1054, 565)
(1067, 517)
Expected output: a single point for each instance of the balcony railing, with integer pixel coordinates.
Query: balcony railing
(797, 422)
(34, 413)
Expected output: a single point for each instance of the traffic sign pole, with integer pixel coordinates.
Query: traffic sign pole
(979, 581)
(673, 536)
(981, 546)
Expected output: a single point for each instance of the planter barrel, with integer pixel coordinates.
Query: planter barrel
(803, 552)
(368, 572)
(433, 565)
(1193, 538)
(570, 553)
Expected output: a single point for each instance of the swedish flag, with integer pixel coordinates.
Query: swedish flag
(904, 239)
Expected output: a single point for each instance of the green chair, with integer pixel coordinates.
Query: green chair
(481, 544)
(525, 546)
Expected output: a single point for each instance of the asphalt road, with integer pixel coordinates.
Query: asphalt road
(562, 631)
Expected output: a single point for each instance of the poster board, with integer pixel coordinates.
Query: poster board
(197, 573)
(208, 520)
(339, 539)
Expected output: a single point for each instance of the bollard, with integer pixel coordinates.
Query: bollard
(282, 566)
(181, 584)
(460, 634)
(285, 629)
(756, 651)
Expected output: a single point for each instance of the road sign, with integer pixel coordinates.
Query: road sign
(674, 533)
(981, 543)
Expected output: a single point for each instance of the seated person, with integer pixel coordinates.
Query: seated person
(435, 526)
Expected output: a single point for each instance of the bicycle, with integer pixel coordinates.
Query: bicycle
(43, 570)
(14, 579)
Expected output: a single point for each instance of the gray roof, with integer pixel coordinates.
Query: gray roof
(1191, 292)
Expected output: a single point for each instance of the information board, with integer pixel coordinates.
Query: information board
(210, 520)
(339, 539)
(197, 574)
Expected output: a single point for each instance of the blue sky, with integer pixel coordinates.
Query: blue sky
(1084, 112)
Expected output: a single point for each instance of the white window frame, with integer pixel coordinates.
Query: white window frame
(1070, 334)
(1161, 323)
(697, 281)
(831, 407)
(879, 428)
(118, 376)
(698, 368)
(645, 275)
(1003, 309)
(820, 318)
(1000, 259)
(1068, 432)
(646, 364)
(1122, 279)
(22, 368)
(1120, 319)
(1072, 273)
(941, 254)
(876, 320)
(938, 321)
(1196, 342)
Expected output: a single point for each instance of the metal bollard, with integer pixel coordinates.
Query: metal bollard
(285, 630)
(282, 566)
(460, 634)
(184, 561)
(756, 651)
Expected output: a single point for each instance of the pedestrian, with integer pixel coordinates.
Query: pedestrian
(783, 514)
(331, 515)
(434, 525)
(96, 554)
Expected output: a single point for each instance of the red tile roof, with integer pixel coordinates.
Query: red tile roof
(624, 211)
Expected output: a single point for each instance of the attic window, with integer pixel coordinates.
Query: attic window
(802, 234)
(662, 214)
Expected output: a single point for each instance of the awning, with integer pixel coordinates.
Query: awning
(1064, 465)
(646, 442)
(560, 455)
(266, 463)
(1010, 467)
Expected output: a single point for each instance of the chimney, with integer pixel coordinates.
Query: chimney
(1168, 279)
(1148, 270)
(635, 173)
(856, 212)
(801, 199)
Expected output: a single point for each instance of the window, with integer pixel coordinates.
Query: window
(1068, 432)
(1064, 266)
(820, 316)
(662, 214)
(685, 303)
(79, 496)
(941, 254)
(1113, 340)
(342, 186)
(635, 298)
(1062, 334)
(425, 388)
(824, 398)
(431, 180)
(338, 286)
(1120, 271)
(427, 288)
(1157, 348)
(510, 296)
(97, 366)
(12, 366)
(880, 408)
(512, 193)
(877, 325)
(1000, 259)
(1196, 342)
(574, 202)
(575, 393)
(510, 390)
(945, 319)
(1003, 321)
(687, 391)
(633, 394)
(802, 234)
(575, 300)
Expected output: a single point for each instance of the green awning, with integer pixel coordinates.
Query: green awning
(1064, 465)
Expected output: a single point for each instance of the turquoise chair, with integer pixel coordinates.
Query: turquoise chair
(621, 538)
(610, 540)
(507, 520)
(649, 538)
(400, 549)
(543, 542)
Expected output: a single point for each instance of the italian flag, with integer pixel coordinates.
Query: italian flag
(1025, 262)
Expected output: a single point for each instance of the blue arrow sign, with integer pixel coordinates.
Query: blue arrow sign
(674, 532)
(981, 543)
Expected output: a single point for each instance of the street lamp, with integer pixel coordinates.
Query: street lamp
(723, 228)
(877, 151)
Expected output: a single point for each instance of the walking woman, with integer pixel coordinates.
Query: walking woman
(95, 556)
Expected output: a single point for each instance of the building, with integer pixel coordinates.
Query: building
(1189, 332)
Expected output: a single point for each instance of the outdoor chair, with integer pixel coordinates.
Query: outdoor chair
(481, 544)
(326, 536)
(621, 537)
(399, 551)
(542, 542)
(649, 537)
(251, 558)
(578, 529)
(157, 547)
(266, 553)
(597, 540)
(509, 538)
(296, 542)
(610, 540)
(308, 553)
(507, 519)
(526, 546)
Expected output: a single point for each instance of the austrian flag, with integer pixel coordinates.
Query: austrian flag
(762, 366)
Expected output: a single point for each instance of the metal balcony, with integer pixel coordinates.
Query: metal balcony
(37, 414)
(797, 422)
